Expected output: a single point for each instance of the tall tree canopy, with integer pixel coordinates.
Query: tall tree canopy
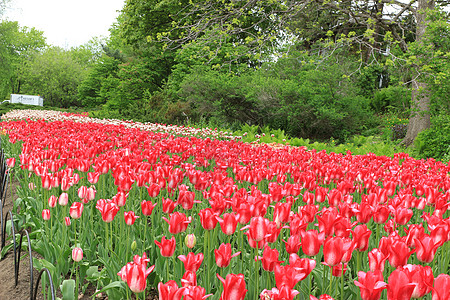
(375, 29)
(17, 46)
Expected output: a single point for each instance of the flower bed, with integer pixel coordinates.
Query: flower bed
(127, 208)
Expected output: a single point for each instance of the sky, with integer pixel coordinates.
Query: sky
(66, 23)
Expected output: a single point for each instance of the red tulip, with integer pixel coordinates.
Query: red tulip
(376, 260)
(381, 214)
(269, 259)
(422, 277)
(327, 219)
(371, 285)
(288, 275)
(338, 270)
(46, 181)
(192, 261)
(228, 223)
(441, 289)
(67, 221)
(223, 255)
(399, 285)
(195, 293)
(303, 265)
(233, 287)
(171, 291)
(52, 201)
(82, 192)
(322, 297)
(65, 183)
(293, 244)
(120, 199)
(129, 217)
(186, 198)
(414, 231)
(10, 162)
(167, 247)
(399, 253)
(108, 209)
(402, 215)
(178, 222)
(46, 214)
(153, 189)
(281, 212)
(284, 293)
(333, 250)
(257, 229)
(76, 210)
(147, 207)
(93, 177)
(90, 194)
(208, 219)
(168, 205)
(361, 236)
(426, 248)
(311, 242)
(136, 273)
(189, 279)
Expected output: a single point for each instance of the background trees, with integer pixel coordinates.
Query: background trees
(315, 69)
(17, 46)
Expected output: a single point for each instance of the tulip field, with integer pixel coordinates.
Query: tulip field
(136, 210)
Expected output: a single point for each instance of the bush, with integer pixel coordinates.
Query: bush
(391, 98)
(310, 103)
(435, 141)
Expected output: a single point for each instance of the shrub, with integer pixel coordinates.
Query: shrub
(435, 141)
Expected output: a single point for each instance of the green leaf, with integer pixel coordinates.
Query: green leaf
(68, 289)
(112, 285)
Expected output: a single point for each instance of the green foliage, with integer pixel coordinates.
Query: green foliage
(435, 141)
(392, 98)
(297, 98)
(17, 46)
(55, 74)
(100, 82)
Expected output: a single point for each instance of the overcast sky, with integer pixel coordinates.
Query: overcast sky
(66, 23)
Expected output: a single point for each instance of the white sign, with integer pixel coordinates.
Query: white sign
(27, 99)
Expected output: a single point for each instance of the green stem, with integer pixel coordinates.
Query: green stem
(256, 272)
(342, 282)
(76, 280)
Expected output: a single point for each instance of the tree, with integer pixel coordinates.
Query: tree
(373, 28)
(55, 74)
(17, 46)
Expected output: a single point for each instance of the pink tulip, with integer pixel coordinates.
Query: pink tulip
(77, 254)
(76, 210)
(63, 199)
(129, 217)
(108, 209)
(46, 214)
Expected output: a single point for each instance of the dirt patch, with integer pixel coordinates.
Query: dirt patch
(8, 288)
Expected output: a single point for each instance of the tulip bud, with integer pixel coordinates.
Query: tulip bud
(133, 246)
(63, 199)
(77, 254)
(46, 214)
(67, 221)
(10, 162)
(31, 186)
(52, 201)
(190, 241)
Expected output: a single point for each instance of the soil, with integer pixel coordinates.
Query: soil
(8, 289)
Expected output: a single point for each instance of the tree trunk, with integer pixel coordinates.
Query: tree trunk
(419, 119)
